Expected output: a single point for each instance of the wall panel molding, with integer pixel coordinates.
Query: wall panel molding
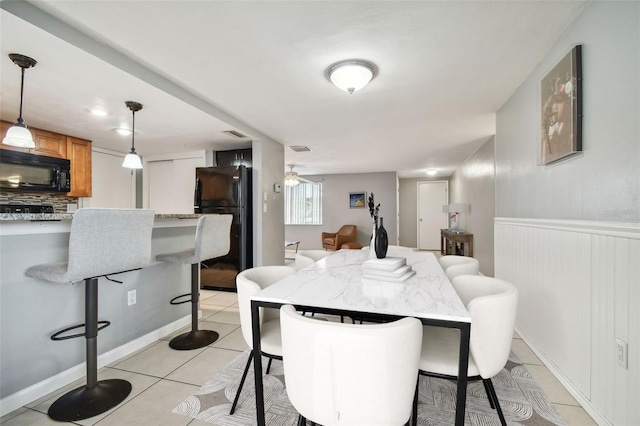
(579, 286)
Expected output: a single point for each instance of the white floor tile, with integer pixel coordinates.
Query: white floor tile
(158, 361)
(31, 418)
(204, 366)
(524, 353)
(153, 407)
(550, 385)
(575, 416)
(233, 341)
(230, 315)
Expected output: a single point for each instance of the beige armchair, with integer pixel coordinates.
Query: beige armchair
(346, 234)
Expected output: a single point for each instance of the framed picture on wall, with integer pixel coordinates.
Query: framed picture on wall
(357, 200)
(561, 109)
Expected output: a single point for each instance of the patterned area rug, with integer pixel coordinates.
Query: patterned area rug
(521, 399)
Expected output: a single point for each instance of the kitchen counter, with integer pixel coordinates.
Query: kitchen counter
(51, 223)
(37, 217)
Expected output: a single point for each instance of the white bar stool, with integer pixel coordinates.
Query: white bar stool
(212, 240)
(102, 242)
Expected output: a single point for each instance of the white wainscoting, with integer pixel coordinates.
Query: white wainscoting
(579, 288)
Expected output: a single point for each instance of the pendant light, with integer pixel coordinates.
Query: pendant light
(132, 160)
(18, 135)
(352, 74)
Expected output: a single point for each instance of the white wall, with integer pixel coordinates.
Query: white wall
(112, 185)
(602, 186)
(336, 211)
(603, 183)
(473, 183)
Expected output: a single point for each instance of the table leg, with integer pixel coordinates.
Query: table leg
(463, 369)
(257, 363)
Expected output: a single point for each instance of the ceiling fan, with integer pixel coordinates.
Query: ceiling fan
(291, 178)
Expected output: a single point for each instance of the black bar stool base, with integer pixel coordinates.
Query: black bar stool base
(193, 340)
(83, 403)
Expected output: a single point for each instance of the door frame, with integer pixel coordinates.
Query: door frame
(446, 182)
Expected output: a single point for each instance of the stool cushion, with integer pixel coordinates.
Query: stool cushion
(102, 242)
(213, 239)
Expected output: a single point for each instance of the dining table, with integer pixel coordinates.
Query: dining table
(337, 285)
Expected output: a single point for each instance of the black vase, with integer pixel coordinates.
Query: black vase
(382, 241)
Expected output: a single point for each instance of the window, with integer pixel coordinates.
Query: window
(303, 204)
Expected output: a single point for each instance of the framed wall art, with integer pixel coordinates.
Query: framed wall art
(561, 109)
(357, 200)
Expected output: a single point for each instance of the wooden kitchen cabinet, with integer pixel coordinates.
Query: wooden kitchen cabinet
(79, 153)
(47, 143)
(76, 150)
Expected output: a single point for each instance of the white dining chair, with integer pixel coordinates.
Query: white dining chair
(306, 258)
(468, 268)
(248, 283)
(492, 304)
(450, 260)
(347, 374)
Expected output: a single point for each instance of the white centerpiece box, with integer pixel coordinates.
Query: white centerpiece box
(393, 269)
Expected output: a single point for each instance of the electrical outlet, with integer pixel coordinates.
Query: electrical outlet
(131, 297)
(621, 352)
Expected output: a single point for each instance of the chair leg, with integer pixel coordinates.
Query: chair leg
(244, 376)
(489, 397)
(301, 420)
(414, 411)
(269, 365)
(492, 390)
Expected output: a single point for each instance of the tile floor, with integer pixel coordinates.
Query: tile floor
(162, 377)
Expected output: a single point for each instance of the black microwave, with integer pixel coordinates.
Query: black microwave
(20, 171)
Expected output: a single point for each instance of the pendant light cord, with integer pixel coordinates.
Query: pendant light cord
(20, 120)
(133, 133)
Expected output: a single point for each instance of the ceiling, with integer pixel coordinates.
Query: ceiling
(259, 68)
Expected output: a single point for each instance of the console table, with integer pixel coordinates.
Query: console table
(449, 241)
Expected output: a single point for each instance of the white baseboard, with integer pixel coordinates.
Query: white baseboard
(40, 389)
(582, 400)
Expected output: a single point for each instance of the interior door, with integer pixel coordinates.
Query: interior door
(432, 195)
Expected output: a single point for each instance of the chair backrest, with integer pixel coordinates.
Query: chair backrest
(470, 268)
(450, 260)
(492, 304)
(106, 241)
(305, 258)
(348, 374)
(213, 236)
(248, 283)
(348, 230)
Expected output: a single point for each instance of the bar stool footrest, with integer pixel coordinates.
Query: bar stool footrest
(193, 340)
(82, 403)
(101, 325)
(173, 301)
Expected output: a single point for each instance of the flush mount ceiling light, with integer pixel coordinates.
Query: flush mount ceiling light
(132, 160)
(431, 172)
(352, 74)
(18, 135)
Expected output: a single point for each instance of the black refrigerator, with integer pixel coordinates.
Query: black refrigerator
(226, 190)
